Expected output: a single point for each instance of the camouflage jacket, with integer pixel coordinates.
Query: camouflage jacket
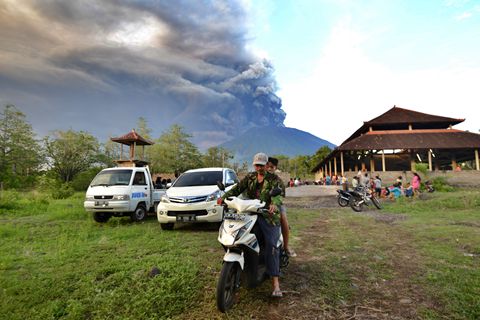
(249, 186)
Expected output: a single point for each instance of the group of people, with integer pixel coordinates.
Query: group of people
(257, 185)
(394, 191)
(161, 183)
(334, 180)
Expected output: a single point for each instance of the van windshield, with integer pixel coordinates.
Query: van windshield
(112, 178)
(199, 178)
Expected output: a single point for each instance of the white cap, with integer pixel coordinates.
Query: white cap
(260, 158)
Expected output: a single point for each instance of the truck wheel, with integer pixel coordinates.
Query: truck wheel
(101, 216)
(167, 226)
(139, 214)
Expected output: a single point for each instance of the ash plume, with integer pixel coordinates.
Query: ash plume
(98, 66)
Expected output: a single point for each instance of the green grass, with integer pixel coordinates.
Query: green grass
(446, 229)
(57, 263)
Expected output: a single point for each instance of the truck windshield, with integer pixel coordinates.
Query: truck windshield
(199, 178)
(112, 178)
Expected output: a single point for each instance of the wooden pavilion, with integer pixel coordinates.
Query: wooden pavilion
(399, 138)
(132, 139)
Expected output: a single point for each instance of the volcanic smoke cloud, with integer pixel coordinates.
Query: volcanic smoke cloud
(99, 65)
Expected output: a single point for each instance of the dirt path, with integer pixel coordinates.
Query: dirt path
(310, 279)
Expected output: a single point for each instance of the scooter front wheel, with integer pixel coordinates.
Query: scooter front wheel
(228, 285)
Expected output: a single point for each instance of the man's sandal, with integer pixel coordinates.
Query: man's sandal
(277, 294)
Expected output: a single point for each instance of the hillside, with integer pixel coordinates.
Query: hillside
(274, 141)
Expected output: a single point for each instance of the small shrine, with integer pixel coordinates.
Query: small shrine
(132, 139)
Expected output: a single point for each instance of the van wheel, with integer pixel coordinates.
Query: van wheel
(139, 214)
(101, 217)
(167, 226)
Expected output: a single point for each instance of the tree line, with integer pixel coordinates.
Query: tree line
(70, 159)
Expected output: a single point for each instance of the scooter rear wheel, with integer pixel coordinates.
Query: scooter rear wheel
(356, 204)
(227, 286)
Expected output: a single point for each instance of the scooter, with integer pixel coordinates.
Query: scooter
(244, 260)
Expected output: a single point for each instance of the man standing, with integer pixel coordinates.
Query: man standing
(272, 165)
(258, 185)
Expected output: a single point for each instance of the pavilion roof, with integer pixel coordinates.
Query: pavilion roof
(399, 118)
(132, 137)
(413, 139)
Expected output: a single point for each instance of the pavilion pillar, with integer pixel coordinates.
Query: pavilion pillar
(364, 167)
(330, 168)
(326, 172)
(429, 160)
(343, 171)
(132, 151)
(356, 168)
(372, 164)
(477, 162)
(335, 165)
(383, 161)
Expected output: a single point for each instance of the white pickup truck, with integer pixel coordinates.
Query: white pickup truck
(193, 197)
(122, 191)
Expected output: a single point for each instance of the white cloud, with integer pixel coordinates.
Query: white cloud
(347, 87)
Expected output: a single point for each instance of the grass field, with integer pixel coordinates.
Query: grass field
(414, 259)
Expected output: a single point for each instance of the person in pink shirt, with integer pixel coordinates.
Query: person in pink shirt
(416, 182)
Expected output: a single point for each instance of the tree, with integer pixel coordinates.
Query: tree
(71, 152)
(20, 153)
(173, 152)
(217, 157)
(318, 157)
(143, 129)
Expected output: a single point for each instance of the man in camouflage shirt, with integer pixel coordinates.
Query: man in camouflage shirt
(257, 185)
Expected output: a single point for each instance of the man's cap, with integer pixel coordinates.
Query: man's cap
(273, 161)
(260, 158)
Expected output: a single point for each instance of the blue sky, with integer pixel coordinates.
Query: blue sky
(349, 61)
(219, 68)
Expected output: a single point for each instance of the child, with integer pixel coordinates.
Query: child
(408, 190)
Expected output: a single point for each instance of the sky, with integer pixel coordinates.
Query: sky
(219, 68)
(339, 63)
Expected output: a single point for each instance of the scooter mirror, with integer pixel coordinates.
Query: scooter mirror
(220, 185)
(275, 192)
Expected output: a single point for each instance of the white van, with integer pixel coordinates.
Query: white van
(122, 191)
(193, 197)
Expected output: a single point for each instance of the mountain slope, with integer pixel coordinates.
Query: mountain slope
(274, 141)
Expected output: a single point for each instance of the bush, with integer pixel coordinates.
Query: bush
(440, 184)
(9, 200)
(62, 191)
(422, 168)
(55, 188)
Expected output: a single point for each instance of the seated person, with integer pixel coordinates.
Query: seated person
(408, 190)
(395, 191)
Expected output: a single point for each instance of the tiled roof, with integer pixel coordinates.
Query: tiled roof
(399, 115)
(414, 139)
(399, 118)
